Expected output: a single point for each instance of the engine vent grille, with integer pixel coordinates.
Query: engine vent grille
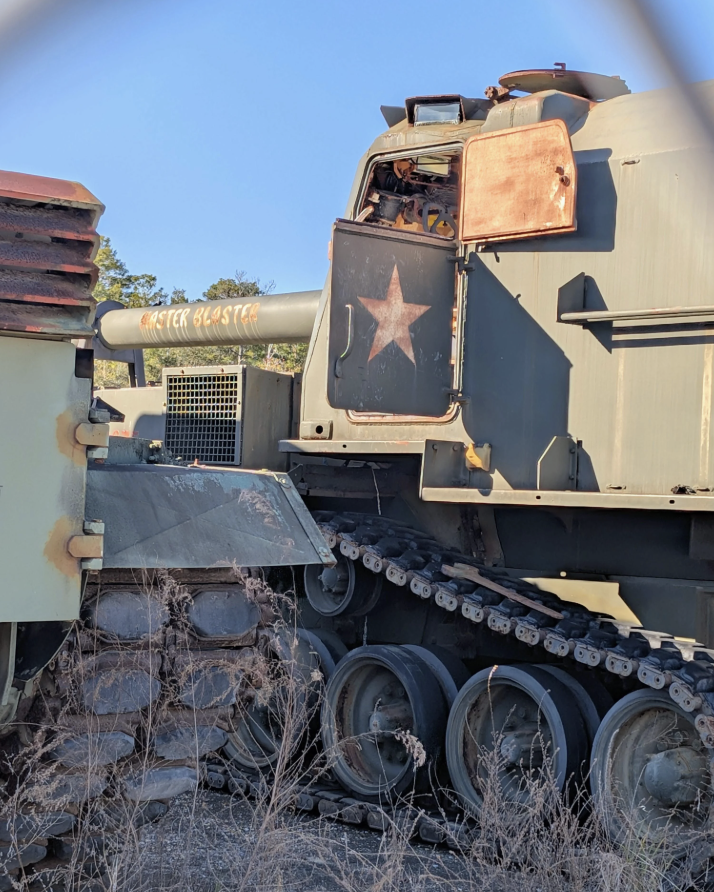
(203, 417)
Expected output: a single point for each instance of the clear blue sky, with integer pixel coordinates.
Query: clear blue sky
(224, 135)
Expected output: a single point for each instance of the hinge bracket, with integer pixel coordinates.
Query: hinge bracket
(462, 263)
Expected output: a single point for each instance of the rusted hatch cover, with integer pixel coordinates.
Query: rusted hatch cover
(518, 183)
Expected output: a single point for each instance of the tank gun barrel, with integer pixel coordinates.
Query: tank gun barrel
(258, 319)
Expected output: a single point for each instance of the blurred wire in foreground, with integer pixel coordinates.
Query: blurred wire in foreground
(670, 56)
(27, 26)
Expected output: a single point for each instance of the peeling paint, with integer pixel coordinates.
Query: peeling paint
(56, 548)
(67, 444)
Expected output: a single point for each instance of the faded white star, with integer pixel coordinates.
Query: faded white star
(394, 317)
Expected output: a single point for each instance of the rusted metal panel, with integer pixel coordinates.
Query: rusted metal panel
(518, 183)
(56, 222)
(48, 190)
(44, 288)
(41, 319)
(70, 257)
(48, 242)
(193, 518)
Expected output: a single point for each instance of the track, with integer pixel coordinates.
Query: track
(122, 723)
(663, 715)
(155, 678)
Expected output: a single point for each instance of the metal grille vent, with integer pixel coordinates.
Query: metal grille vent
(202, 417)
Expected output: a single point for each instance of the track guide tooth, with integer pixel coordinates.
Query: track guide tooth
(529, 634)
(558, 645)
(304, 802)
(373, 562)
(446, 599)
(473, 612)
(620, 665)
(684, 647)
(431, 832)
(396, 575)
(421, 588)
(497, 622)
(329, 537)
(587, 654)
(349, 549)
(378, 820)
(684, 696)
(705, 725)
(653, 676)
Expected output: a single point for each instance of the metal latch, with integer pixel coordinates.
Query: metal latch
(89, 548)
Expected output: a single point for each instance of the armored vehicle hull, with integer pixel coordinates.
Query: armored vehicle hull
(489, 496)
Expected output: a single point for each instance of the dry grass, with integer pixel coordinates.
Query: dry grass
(215, 842)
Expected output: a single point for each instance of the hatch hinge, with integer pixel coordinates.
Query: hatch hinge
(462, 263)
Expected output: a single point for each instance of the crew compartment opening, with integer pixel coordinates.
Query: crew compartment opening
(418, 193)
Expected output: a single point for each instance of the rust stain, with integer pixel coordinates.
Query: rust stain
(28, 186)
(56, 547)
(33, 299)
(66, 441)
(518, 183)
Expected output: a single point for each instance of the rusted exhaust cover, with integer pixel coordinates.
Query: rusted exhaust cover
(48, 241)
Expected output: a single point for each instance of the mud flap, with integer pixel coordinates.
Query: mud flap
(159, 516)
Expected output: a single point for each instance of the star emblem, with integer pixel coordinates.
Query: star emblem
(394, 317)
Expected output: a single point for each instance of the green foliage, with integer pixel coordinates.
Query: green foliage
(238, 286)
(117, 283)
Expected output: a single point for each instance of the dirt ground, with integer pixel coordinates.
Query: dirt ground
(214, 842)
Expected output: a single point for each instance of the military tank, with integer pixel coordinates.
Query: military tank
(494, 477)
